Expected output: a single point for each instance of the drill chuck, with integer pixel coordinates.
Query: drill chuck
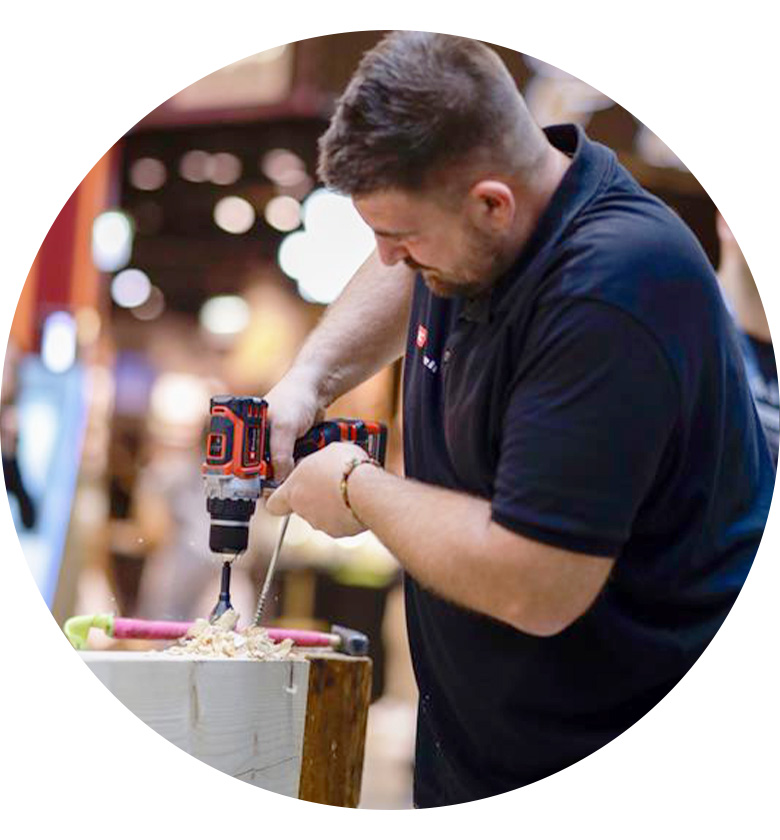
(229, 532)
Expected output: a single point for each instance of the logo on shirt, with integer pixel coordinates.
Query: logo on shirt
(422, 339)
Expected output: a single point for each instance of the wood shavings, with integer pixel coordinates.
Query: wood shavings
(221, 640)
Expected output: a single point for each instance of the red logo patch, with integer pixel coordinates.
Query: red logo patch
(422, 336)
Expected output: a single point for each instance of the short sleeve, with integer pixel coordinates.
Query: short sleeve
(589, 418)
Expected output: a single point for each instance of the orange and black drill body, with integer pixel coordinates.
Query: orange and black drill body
(238, 468)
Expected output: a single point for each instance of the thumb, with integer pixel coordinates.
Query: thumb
(277, 503)
(282, 442)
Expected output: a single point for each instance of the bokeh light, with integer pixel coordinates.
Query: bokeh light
(88, 325)
(130, 288)
(195, 166)
(152, 307)
(324, 255)
(58, 342)
(283, 213)
(112, 240)
(224, 168)
(283, 167)
(179, 399)
(234, 214)
(225, 315)
(148, 174)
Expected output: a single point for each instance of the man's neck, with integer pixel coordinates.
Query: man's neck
(533, 199)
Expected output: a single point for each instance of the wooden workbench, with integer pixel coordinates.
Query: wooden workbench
(296, 728)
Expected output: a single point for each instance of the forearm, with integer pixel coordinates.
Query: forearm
(447, 542)
(361, 332)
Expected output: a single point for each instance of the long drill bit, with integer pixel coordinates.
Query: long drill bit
(270, 571)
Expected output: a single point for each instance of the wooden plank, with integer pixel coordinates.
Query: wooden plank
(335, 737)
(243, 717)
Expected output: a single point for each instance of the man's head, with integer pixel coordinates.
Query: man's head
(436, 147)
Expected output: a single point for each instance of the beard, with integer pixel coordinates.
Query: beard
(452, 288)
(484, 263)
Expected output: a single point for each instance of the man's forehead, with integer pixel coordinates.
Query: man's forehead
(393, 212)
(388, 201)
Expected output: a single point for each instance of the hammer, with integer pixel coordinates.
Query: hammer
(341, 639)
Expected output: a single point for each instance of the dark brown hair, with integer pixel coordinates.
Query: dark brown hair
(418, 104)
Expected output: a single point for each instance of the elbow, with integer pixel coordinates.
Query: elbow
(543, 629)
(543, 623)
(537, 589)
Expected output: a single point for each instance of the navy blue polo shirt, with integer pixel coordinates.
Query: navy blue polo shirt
(598, 398)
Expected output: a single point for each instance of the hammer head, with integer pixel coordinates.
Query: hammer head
(352, 642)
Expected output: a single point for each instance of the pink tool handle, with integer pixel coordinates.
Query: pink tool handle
(303, 638)
(137, 628)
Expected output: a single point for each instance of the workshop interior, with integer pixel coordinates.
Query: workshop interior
(172, 291)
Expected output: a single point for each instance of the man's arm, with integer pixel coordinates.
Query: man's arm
(364, 330)
(448, 542)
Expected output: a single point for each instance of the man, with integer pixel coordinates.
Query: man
(739, 288)
(587, 482)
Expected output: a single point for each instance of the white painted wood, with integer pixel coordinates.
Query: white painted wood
(243, 717)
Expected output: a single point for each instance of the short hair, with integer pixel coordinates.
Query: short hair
(418, 104)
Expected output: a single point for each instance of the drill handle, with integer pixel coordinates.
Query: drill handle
(372, 437)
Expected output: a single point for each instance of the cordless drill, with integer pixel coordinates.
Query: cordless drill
(238, 468)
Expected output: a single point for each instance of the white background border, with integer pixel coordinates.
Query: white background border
(77, 76)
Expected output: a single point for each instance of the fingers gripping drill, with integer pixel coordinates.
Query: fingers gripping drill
(238, 470)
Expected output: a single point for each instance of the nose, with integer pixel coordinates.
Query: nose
(390, 252)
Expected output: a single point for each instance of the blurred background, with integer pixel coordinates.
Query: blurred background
(192, 260)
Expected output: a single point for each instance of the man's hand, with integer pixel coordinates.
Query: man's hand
(293, 408)
(313, 491)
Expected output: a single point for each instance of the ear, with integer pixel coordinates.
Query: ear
(491, 205)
